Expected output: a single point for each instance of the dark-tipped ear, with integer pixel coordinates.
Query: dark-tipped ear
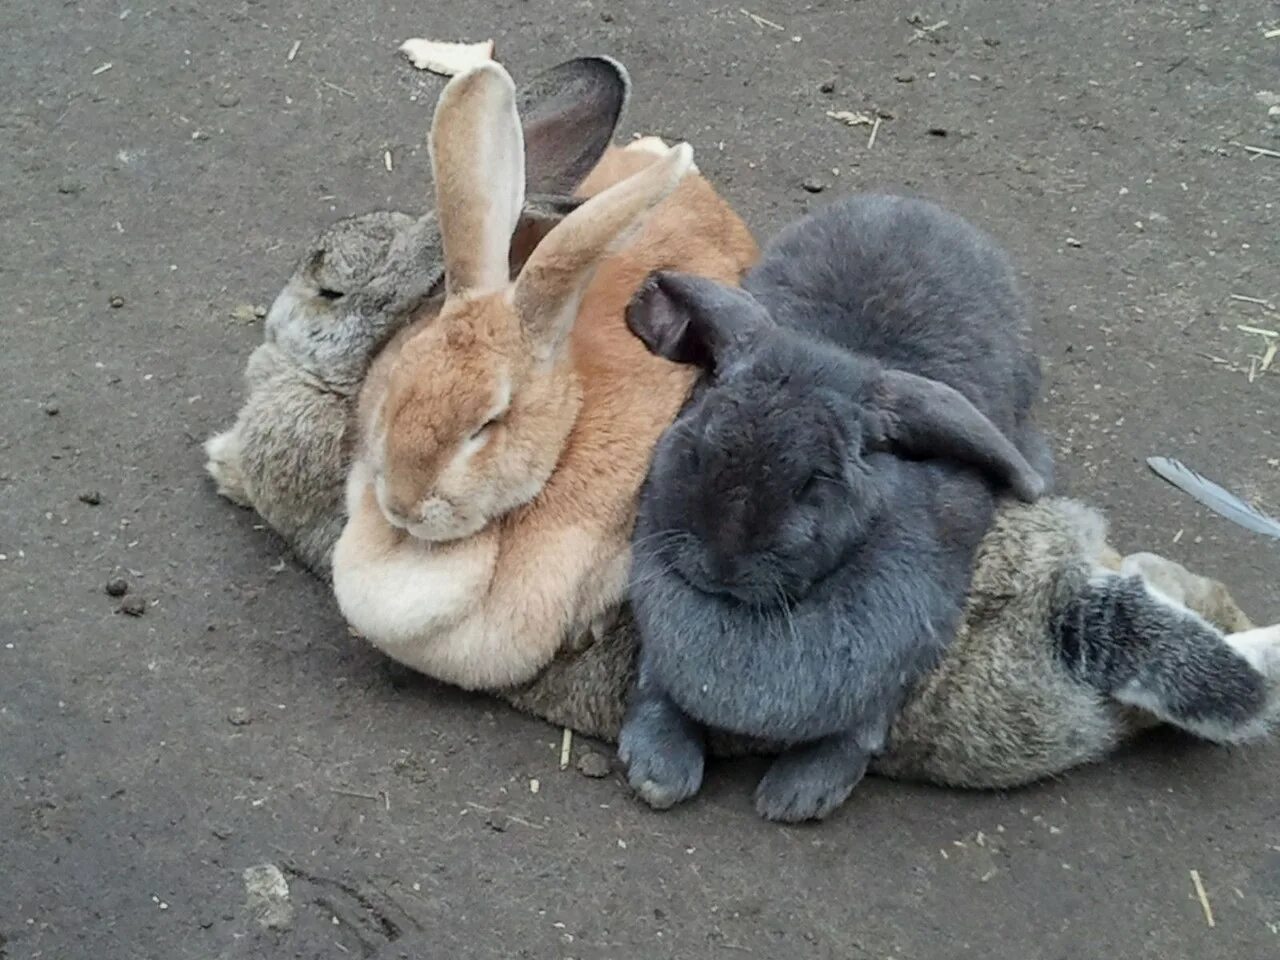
(569, 115)
(540, 214)
(689, 319)
(928, 420)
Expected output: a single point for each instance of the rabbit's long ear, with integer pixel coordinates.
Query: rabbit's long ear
(550, 287)
(477, 158)
(540, 216)
(570, 114)
(926, 419)
(690, 319)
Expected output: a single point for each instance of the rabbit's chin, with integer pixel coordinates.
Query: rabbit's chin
(444, 526)
(757, 594)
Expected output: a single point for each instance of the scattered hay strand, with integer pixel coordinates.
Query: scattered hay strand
(758, 20)
(1204, 898)
(1259, 151)
(566, 748)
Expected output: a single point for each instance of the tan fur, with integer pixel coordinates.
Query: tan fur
(545, 502)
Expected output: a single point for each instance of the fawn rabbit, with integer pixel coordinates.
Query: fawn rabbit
(358, 284)
(506, 437)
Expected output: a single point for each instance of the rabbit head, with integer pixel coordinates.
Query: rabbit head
(365, 276)
(769, 478)
(478, 405)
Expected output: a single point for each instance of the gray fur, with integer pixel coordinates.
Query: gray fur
(1120, 636)
(1002, 708)
(287, 453)
(798, 565)
(999, 710)
(362, 280)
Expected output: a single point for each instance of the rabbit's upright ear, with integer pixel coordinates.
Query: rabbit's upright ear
(550, 287)
(541, 214)
(477, 158)
(690, 319)
(570, 114)
(928, 420)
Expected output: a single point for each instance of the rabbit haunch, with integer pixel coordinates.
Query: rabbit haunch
(506, 437)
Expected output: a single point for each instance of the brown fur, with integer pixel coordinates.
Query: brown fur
(549, 495)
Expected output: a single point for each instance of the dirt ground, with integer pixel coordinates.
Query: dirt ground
(164, 163)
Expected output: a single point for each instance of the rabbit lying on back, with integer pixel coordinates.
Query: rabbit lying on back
(361, 281)
(505, 439)
(797, 570)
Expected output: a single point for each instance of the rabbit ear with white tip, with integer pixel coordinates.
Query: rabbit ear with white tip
(477, 158)
(549, 289)
(689, 319)
(927, 419)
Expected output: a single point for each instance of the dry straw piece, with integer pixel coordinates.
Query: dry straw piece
(444, 57)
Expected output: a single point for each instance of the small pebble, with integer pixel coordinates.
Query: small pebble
(116, 302)
(606, 16)
(813, 185)
(594, 765)
(244, 313)
(70, 186)
(904, 77)
(828, 86)
(133, 606)
(239, 717)
(117, 587)
(91, 497)
(228, 98)
(51, 409)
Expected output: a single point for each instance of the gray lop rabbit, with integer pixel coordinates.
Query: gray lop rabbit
(1004, 706)
(362, 281)
(799, 569)
(806, 535)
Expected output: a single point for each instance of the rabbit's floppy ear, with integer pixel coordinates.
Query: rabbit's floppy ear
(690, 319)
(550, 287)
(477, 158)
(570, 114)
(927, 419)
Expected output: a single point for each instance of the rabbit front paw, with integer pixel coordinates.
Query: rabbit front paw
(223, 451)
(811, 782)
(664, 754)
